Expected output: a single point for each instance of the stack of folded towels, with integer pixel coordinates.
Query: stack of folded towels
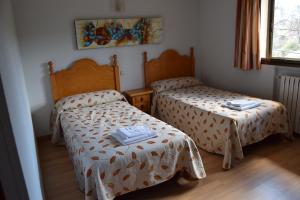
(133, 134)
(242, 104)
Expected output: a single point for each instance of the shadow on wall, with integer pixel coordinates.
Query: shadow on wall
(41, 115)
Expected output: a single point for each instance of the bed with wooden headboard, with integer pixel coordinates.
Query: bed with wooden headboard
(88, 110)
(84, 75)
(182, 101)
(170, 64)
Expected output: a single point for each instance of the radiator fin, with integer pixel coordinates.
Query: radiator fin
(289, 95)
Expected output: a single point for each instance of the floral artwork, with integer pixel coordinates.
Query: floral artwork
(118, 32)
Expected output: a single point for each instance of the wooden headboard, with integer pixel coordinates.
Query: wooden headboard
(170, 64)
(84, 75)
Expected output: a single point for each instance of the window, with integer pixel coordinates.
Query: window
(284, 33)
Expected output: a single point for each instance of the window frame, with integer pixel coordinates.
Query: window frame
(269, 59)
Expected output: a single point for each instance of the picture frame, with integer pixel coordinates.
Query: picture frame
(118, 32)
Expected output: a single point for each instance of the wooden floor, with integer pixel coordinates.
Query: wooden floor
(271, 170)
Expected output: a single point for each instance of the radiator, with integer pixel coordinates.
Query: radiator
(289, 95)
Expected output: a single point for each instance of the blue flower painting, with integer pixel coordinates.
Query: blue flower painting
(118, 32)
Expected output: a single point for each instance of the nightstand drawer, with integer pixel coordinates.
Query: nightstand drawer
(142, 102)
(143, 107)
(143, 99)
(140, 98)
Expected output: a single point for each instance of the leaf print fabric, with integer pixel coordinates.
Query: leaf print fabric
(80, 101)
(171, 84)
(174, 83)
(88, 99)
(198, 112)
(105, 169)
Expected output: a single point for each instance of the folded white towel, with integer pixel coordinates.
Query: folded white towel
(136, 133)
(241, 103)
(241, 108)
(132, 140)
(133, 131)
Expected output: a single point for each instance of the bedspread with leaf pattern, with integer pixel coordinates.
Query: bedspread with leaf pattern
(105, 169)
(198, 112)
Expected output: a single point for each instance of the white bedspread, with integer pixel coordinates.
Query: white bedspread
(105, 169)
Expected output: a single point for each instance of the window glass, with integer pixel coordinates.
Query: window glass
(286, 29)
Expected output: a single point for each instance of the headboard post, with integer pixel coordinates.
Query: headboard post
(50, 67)
(116, 71)
(52, 78)
(114, 60)
(192, 59)
(145, 57)
(145, 71)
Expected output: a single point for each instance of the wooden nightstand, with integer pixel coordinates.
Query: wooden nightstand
(140, 98)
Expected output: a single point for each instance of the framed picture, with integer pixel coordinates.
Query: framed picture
(99, 33)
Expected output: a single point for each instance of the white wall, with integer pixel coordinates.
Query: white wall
(18, 106)
(216, 53)
(46, 32)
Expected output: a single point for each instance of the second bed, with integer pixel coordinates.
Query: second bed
(182, 101)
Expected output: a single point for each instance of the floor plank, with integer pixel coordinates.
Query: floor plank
(271, 170)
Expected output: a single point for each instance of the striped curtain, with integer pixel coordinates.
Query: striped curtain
(247, 51)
